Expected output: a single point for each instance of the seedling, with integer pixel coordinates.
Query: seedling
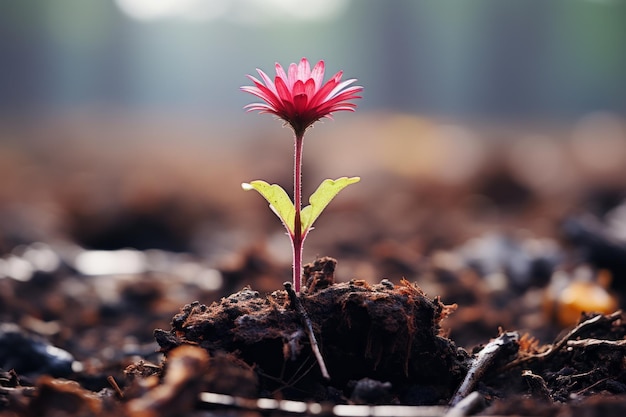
(300, 98)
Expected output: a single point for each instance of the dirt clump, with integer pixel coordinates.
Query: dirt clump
(384, 332)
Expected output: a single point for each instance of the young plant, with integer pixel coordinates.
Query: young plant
(300, 98)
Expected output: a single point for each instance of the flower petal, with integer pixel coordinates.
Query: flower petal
(304, 70)
(318, 74)
(322, 93)
(284, 92)
(260, 106)
(293, 76)
(280, 72)
(262, 91)
(298, 88)
(257, 92)
(340, 87)
(268, 81)
(300, 103)
(309, 88)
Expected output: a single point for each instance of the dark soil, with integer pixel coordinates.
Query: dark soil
(382, 332)
(382, 344)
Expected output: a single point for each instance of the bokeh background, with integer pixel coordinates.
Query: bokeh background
(122, 126)
(486, 59)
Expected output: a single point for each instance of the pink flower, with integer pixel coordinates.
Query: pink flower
(299, 97)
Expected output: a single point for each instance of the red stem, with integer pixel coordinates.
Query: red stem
(297, 238)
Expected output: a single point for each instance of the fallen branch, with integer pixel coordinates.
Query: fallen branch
(481, 363)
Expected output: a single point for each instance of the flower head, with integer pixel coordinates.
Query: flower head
(299, 97)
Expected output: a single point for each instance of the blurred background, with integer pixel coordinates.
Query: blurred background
(484, 59)
(121, 126)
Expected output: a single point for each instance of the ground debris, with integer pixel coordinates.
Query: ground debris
(587, 360)
(180, 388)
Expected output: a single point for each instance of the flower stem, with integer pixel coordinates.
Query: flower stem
(297, 238)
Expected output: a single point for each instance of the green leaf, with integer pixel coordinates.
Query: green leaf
(280, 203)
(327, 190)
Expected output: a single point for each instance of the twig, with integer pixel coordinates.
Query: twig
(596, 342)
(481, 363)
(595, 384)
(116, 387)
(308, 327)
